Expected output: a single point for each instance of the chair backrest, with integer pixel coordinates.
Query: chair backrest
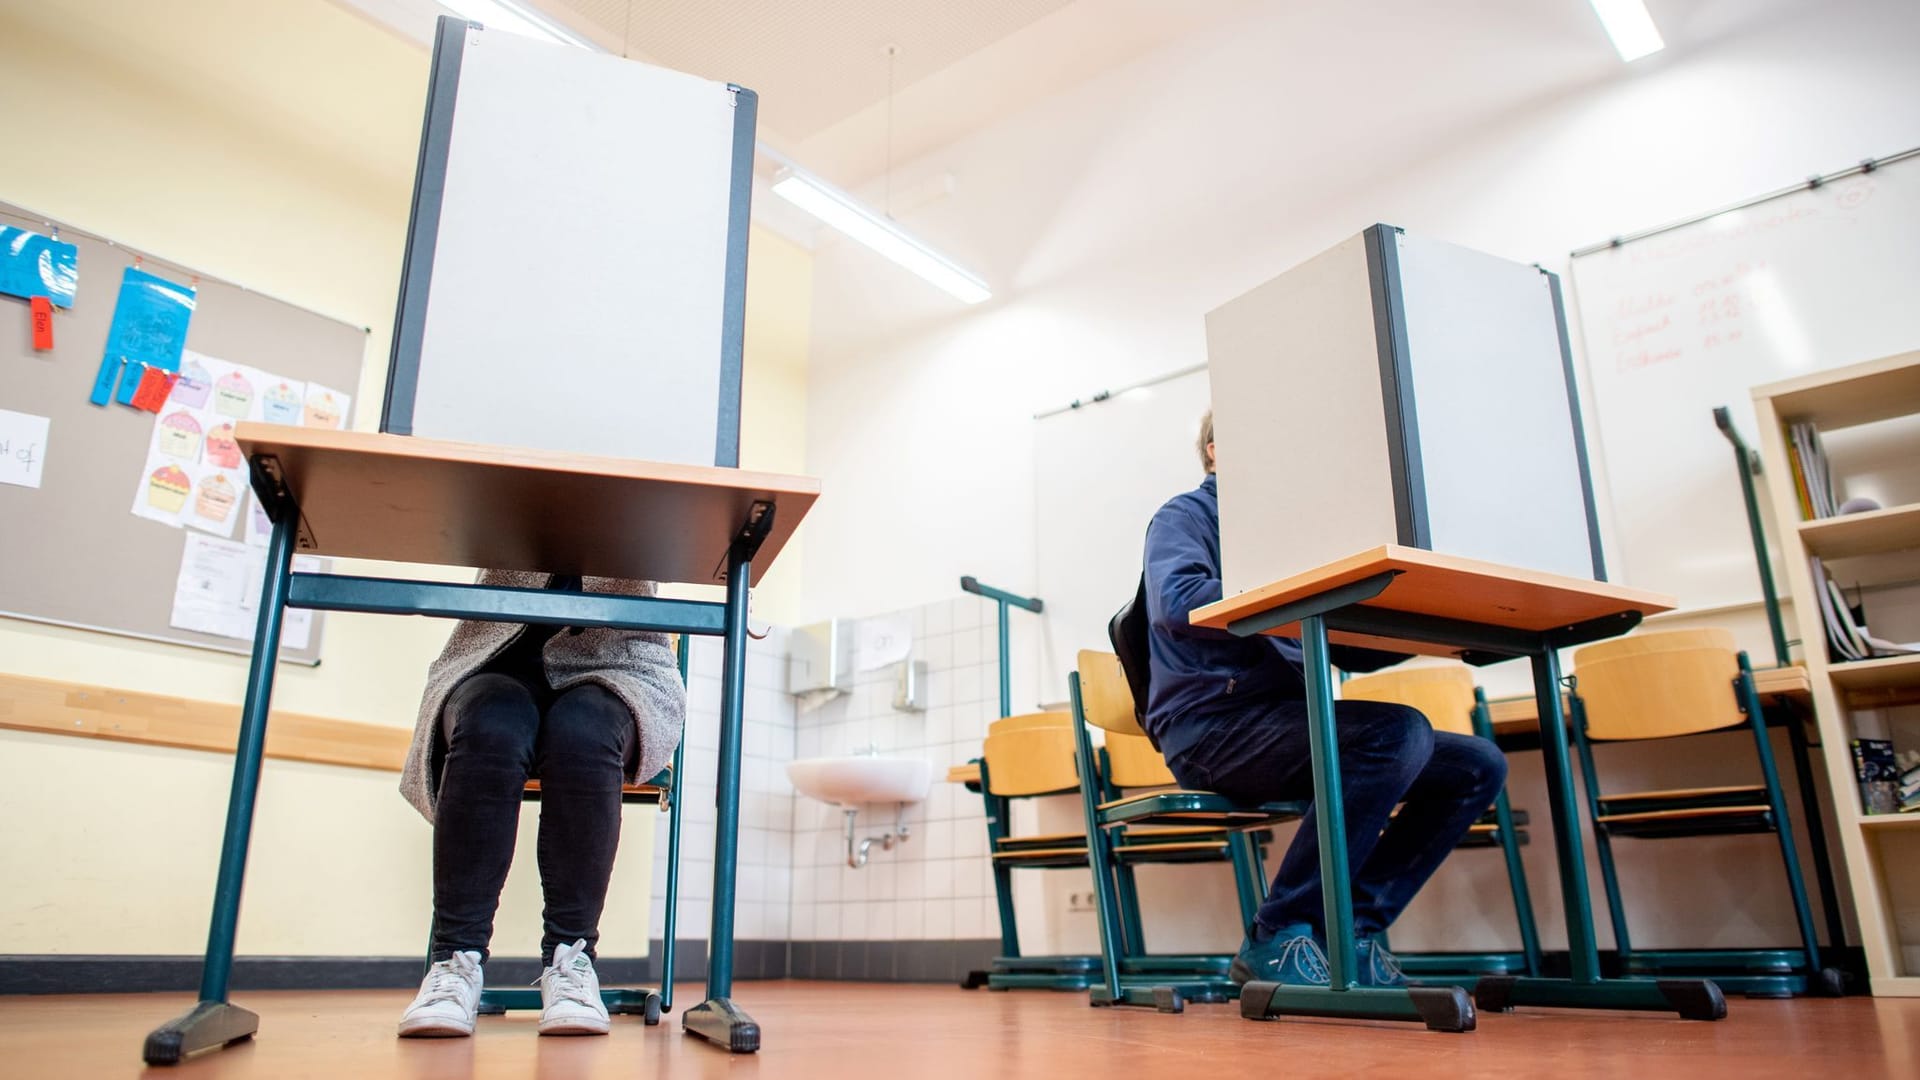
(1655, 686)
(1443, 694)
(1128, 631)
(1104, 694)
(1132, 762)
(1031, 755)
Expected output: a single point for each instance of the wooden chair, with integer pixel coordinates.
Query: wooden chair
(1448, 698)
(646, 1003)
(1670, 685)
(1033, 756)
(1102, 698)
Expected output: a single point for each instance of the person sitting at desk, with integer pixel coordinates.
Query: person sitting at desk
(1230, 716)
(582, 710)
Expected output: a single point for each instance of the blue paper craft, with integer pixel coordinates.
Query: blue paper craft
(34, 265)
(149, 327)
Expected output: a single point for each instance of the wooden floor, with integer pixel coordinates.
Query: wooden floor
(860, 1030)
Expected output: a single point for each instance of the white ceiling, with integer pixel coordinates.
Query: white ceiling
(812, 63)
(821, 68)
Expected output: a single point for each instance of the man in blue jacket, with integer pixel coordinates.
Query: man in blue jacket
(1230, 714)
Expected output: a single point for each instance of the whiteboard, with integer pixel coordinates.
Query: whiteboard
(570, 271)
(1689, 319)
(1101, 471)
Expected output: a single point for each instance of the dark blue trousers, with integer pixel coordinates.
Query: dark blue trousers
(1389, 755)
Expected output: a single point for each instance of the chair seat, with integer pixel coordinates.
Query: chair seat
(1044, 856)
(1040, 840)
(647, 794)
(1742, 793)
(1693, 821)
(1191, 851)
(1186, 807)
(1486, 834)
(1688, 792)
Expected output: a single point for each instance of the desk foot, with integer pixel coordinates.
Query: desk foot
(1441, 1008)
(1692, 999)
(1166, 999)
(209, 1025)
(721, 1022)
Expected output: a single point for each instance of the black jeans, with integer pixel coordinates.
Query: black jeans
(1389, 754)
(500, 729)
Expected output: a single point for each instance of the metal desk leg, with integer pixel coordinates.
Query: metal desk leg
(214, 1022)
(1694, 999)
(1441, 1008)
(717, 1019)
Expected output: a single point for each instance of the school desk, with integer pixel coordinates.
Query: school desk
(403, 499)
(1412, 600)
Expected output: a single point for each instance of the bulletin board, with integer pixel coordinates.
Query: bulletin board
(72, 552)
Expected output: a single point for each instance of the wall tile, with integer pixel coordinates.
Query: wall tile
(939, 922)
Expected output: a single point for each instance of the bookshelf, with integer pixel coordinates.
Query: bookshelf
(1878, 390)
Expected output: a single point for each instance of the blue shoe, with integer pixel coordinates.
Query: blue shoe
(1376, 966)
(1292, 956)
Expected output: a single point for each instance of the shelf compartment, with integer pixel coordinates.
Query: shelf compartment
(1857, 394)
(1883, 673)
(1896, 528)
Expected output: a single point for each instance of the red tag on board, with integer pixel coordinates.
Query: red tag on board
(155, 385)
(42, 323)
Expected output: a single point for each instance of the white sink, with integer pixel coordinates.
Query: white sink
(857, 779)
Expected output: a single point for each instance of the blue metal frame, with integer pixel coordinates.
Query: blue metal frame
(214, 1021)
(1340, 608)
(1768, 972)
(1004, 600)
(1507, 836)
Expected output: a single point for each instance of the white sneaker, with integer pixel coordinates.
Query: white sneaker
(449, 997)
(570, 995)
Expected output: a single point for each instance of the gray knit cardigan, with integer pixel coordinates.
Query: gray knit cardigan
(639, 668)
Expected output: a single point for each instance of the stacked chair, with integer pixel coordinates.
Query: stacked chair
(1102, 698)
(1035, 756)
(1671, 685)
(1448, 698)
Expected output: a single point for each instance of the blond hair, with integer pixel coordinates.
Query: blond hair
(1206, 438)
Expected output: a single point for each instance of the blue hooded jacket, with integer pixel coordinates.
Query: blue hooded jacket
(1198, 672)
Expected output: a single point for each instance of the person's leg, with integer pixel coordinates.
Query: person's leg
(1455, 788)
(1263, 755)
(581, 758)
(489, 727)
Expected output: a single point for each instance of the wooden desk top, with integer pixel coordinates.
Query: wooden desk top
(405, 499)
(1446, 586)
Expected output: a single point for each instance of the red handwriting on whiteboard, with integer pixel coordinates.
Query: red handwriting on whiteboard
(1640, 358)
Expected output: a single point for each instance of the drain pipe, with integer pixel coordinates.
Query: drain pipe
(857, 851)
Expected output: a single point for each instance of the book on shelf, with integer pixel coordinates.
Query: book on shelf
(1878, 775)
(1847, 636)
(1813, 478)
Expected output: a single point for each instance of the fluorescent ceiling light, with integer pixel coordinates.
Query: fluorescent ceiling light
(515, 19)
(846, 214)
(1630, 27)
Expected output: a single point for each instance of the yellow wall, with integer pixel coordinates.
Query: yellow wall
(773, 395)
(272, 145)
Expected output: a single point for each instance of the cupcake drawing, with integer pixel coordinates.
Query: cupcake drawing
(215, 500)
(222, 449)
(233, 396)
(167, 489)
(192, 387)
(323, 410)
(179, 436)
(281, 404)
